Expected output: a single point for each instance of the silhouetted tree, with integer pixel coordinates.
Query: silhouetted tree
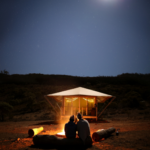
(4, 72)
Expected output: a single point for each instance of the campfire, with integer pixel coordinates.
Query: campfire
(61, 134)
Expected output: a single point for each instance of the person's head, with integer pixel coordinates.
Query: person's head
(71, 118)
(79, 116)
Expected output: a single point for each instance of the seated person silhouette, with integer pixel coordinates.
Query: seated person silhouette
(70, 128)
(83, 128)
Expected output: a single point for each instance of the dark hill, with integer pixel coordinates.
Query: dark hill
(26, 92)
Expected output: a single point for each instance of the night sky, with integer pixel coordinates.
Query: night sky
(75, 37)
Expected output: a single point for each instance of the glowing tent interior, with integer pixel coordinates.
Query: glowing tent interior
(80, 100)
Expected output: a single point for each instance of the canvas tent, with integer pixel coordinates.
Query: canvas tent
(80, 100)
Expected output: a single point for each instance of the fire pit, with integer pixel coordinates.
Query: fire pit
(62, 134)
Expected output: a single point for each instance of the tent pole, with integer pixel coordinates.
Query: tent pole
(106, 106)
(79, 104)
(64, 105)
(71, 105)
(86, 106)
(50, 103)
(96, 107)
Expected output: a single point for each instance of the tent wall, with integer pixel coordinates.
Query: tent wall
(70, 106)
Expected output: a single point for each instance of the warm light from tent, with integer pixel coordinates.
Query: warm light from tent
(89, 100)
(68, 101)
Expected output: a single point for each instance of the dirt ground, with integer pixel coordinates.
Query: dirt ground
(133, 134)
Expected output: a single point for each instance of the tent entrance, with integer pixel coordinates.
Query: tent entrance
(71, 105)
(84, 105)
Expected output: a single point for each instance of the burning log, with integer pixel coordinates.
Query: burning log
(103, 133)
(35, 131)
(52, 140)
(61, 134)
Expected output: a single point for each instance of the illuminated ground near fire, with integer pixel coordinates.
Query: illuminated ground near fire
(133, 135)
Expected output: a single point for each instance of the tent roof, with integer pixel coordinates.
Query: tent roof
(101, 97)
(79, 91)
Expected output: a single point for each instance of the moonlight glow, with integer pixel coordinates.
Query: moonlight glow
(110, 2)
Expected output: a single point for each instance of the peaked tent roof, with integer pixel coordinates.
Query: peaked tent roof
(101, 97)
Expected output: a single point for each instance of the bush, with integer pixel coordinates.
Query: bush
(5, 109)
(134, 102)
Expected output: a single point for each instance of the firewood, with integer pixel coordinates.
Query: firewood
(102, 133)
(34, 131)
(52, 140)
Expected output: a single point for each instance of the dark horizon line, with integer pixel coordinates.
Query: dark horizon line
(80, 76)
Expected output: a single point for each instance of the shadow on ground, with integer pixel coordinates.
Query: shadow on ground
(59, 147)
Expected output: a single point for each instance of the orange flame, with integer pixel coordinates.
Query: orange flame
(61, 133)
